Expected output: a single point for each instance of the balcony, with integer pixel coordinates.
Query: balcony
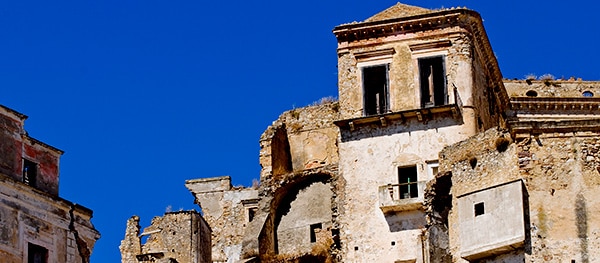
(401, 197)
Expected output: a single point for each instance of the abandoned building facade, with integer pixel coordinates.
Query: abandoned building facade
(429, 155)
(36, 225)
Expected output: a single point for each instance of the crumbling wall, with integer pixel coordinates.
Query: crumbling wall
(301, 138)
(483, 161)
(227, 210)
(550, 87)
(176, 237)
(561, 173)
(309, 210)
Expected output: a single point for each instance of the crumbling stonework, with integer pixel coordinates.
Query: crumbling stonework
(176, 237)
(428, 156)
(34, 220)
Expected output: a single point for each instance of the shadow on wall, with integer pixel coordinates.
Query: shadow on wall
(376, 130)
(407, 220)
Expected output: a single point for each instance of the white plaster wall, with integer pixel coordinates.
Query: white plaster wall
(368, 163)
(502, 224)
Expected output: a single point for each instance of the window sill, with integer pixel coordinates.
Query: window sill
(422, 115)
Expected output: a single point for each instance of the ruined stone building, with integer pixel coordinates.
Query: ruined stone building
(36, 224)
(429, 155)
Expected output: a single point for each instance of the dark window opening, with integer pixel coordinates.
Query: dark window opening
(479, 209)
(251, 213)
(375, 88)
(313, 231)
(29, 172)
(531, 93)
(335, 234)
(36, 254)
(407, 178)
(432, 76)
(588, 94)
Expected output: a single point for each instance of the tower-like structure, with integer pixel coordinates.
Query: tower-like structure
(411, 82)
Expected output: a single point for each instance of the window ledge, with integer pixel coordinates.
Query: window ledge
(422, 115)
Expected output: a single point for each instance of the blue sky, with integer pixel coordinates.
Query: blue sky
(143, 95)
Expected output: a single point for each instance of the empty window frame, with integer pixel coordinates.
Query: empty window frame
(29, 172)
(407, 179)
(36, 254)
(251, 213)
(314, 228)
(432, 78)
(375, 89)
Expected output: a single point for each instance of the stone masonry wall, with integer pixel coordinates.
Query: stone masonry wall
(176, 237)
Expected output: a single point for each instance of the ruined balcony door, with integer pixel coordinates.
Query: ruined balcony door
(375, 88)
(432, 81)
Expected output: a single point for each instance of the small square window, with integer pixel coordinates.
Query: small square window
(479, 209)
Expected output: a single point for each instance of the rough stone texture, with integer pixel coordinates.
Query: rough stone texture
(176, 237)
(553, 88)
(331, 164)
(31, 211)
(226, 210)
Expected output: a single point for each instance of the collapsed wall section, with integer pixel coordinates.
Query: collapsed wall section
(176, 237)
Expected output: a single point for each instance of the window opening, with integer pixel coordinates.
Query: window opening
(29, 172)
(531, 93)
(433, 81)
(36, 254)
(588, 94)
(433, 168)
(375, 88)
(251, 213)
(313, 231)
(407, 178)
(479, 209)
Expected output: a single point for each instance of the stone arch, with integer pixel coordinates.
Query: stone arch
(293, 192)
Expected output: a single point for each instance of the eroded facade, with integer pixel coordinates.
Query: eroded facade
(426, 148)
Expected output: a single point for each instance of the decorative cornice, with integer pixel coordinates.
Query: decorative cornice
(554, 104)
(402, 25)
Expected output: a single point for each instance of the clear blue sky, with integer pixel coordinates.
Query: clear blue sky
(142, 95)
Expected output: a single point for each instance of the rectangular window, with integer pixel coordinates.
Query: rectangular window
(314, 228)
(407, 179)
(36, 254)
(375, 89)
(432, 77)
(29, 172)
(251, 213)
